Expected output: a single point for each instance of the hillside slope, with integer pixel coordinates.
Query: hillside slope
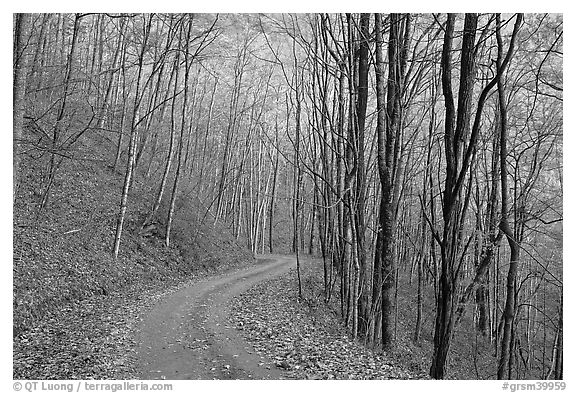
(62, 254)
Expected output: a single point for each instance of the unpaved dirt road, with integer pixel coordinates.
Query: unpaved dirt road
(188, 335)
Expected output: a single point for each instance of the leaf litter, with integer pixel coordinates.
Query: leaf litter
(304, 337)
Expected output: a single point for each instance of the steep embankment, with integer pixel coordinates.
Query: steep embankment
(72, 300)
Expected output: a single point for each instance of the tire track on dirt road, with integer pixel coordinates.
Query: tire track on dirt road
(188, 335)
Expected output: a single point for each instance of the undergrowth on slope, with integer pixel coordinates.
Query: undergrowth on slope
(63, 253)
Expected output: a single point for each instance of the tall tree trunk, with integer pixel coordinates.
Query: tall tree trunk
(168, 164)
(451, 205)
(20, 56)
(273, 197)
(493, 242)
(423, 249)
(510, 306)
(39, 55)
(132, 145)
(103, 107)
(364, 279)
(458, 156)
(296, 193)
(187, 65)
(208, 122)
(231, 126)
(388, 133)
(125, 95)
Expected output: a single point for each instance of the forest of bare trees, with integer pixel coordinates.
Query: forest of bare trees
(418, 155)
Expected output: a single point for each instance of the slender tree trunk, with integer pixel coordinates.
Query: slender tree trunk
(124, 109)
(231, 127)
(208, 122)
(132, 145)
(558, 358)
(103, 108)
(273, 197)
(168, 164)
(364, 279)
(313, 221)
(506, 355)
(187, 64)
(296, 204)
(37, 66)
(423, 253)
(493, 242)
(451, 204)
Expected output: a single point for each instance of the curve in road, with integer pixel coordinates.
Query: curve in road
(188, 334)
